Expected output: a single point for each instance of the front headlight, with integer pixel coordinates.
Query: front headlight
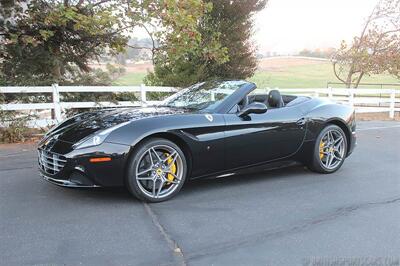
(90, 141)
(97, 138)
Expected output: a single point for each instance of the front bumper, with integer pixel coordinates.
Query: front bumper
(72, 168)
(66, 182)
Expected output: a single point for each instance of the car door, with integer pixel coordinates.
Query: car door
(259, 138)
(204, 134)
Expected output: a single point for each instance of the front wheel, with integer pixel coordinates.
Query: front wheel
(329, 151)
(157, 170)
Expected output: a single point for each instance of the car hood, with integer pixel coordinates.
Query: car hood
(80, 126)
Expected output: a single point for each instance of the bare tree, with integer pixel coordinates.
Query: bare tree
(376, 50)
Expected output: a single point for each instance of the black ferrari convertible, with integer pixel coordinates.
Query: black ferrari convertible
(216, 128)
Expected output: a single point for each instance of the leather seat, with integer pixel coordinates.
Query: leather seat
(243, 102)
(275, 99)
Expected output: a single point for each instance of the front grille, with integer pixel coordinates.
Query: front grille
(51, 163)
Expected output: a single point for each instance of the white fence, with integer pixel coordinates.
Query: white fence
(59, 107)
(364, 100)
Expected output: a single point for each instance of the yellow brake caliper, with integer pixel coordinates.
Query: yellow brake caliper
(173, 168)
(321, 149)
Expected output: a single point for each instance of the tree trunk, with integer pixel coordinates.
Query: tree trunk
(56, 71)
(349, 76)
(358, 80)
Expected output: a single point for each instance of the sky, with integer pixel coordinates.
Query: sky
(289, 26)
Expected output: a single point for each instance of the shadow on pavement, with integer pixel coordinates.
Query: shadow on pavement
(194, 186)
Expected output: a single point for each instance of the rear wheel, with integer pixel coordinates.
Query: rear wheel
(157, 170)
(329, 151)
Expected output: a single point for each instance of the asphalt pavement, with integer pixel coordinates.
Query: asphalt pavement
(283, 217)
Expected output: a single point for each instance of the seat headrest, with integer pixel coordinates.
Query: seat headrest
(275, 99)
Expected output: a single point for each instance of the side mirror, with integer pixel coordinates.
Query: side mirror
(253, 108)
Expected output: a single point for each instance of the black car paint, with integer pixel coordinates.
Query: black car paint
(224, 144)
(262, 138)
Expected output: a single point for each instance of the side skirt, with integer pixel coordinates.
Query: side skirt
(253, 169)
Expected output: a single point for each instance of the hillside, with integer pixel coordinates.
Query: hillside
(282, 72)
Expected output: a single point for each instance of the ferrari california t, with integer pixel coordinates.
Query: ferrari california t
(211, 129)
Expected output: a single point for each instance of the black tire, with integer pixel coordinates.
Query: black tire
(316, 163)
(135, 187)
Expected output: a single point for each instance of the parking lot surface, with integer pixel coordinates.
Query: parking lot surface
(282, 217)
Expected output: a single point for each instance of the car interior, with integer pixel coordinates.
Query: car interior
(272, 100)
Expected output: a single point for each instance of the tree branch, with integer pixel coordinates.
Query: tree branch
(154, 48)
(140, 47)
(391, 31)
(79, 4)
(100, 2)
(336, 74)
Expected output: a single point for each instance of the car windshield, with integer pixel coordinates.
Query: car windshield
(205, 96)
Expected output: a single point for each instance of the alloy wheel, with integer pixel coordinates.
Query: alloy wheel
(332, 149)
(159, 171)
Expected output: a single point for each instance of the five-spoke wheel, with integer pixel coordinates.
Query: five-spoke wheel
(157, 170)
(330, 150)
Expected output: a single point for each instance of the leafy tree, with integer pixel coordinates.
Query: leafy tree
(221, 46)
(47, 41)
(376, 50)
(217, 46)
(180, 51)
(42, 44)
(234, 20)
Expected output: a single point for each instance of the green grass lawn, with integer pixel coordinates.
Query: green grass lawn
(308, 76)
(130, 79)
(304, 76)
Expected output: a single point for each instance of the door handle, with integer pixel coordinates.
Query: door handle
(301, 121)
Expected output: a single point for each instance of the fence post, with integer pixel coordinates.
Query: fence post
(143, 94)
(56, 102)
(392, 103)
(351, 97)
(316, 93)
(330, 93)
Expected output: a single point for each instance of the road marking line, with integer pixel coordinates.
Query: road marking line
(373, 128)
